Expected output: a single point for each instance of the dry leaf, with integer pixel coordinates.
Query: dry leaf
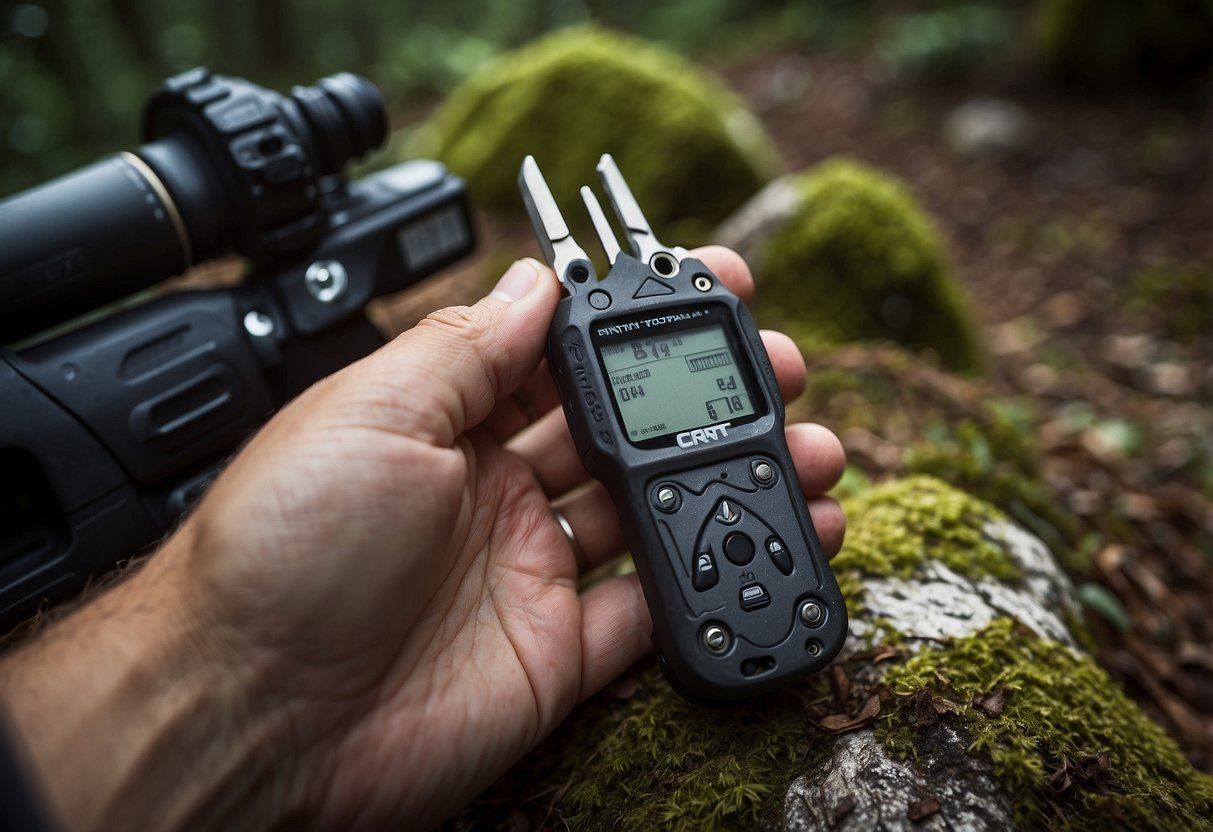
(993, 702)
(841, 722)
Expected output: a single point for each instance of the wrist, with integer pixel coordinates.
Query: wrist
(132, 716)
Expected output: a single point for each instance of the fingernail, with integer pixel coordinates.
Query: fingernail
(517, 281)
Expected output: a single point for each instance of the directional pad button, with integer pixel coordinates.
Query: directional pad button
(779, 555)
(706, 574)
(727, 512)
(738, 548)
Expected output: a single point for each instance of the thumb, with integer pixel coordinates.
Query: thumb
(443, 376)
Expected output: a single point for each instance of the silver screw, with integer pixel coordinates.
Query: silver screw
(763, 472)
(666, 497)
(813, 648)
(258, 324)
(811, 613)
(326, 280)
(703, 283)
(716, 638)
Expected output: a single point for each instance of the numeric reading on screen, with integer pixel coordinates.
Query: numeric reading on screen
(669, 383)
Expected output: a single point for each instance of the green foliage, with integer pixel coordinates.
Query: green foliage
(688, 148)
(1062, 713)
(949, 40)
(899, 525)
(1098, 599)
(74, 73)
(860, 261)
(1108, 42)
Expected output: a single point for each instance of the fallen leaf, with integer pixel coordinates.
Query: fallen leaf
(943, 706)
(885, 653)
(993, 702)
(842, 684)
(1103, 602)
(841, 722)
(923, 809)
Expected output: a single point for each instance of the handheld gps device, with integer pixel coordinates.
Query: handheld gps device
(674, 407)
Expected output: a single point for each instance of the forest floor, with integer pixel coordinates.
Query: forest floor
(1087, 254)
(1088, 257)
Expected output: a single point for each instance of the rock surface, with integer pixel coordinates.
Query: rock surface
(937, 604)
(861, 788)
(864, 786)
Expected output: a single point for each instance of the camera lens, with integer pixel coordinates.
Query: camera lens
(227, 166)
(347, 116)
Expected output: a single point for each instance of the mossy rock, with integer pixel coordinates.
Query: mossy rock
(858, 260)
(640, 757)
(1111, 42)
(688, 148)
(1071, 749)
(910, 521)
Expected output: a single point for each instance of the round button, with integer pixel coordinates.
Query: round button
(666, 498)
(811, 613)
(762, 472)
(599, 299)
(738, 548)
(716, 638)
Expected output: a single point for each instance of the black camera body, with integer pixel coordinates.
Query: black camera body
(111, 429)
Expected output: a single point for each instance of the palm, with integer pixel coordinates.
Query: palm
(412, 653)
(501, 638)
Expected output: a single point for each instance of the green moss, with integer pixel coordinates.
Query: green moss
(860, 261)
(1106, 42)
(682, 766)
(997, 462)
(1061, 713)
(897, 526)
(655, 761)
(688, 148)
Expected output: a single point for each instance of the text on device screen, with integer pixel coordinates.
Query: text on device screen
(669, 383)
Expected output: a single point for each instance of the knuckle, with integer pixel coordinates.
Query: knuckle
(465, 322)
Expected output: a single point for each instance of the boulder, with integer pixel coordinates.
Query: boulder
(842, 252)
(962, 701)
(689, 149)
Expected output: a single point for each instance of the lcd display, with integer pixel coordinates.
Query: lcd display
(670, 383)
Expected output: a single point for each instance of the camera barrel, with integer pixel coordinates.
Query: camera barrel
(84, 239)
(227, 166)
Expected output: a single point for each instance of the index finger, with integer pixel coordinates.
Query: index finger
(729, 267)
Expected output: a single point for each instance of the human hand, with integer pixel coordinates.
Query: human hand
(380, 581)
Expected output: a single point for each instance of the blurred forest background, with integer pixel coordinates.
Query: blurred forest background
(1061, 150)
(74, 73)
